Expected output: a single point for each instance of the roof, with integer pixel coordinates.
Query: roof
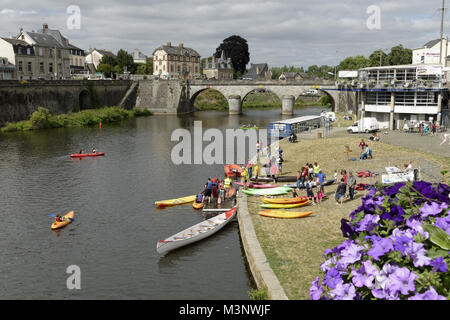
(55, 34)
(179, 51)
(254, 68)
(299, 119)
(45, 40)
(293, 74)
(16, 42)
(403, 66)
(104, 52)
(71, 46)
(432, 43)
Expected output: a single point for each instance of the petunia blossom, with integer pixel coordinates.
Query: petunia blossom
(402, 280)
(427, 295)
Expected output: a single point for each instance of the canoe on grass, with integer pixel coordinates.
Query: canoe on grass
(284, 200)
(258, 186)
(230, 169)
(284, 214)
(83, 155)
(66, 220)
(284, 206)
(175, 202)
(197, 232)
(267, 192)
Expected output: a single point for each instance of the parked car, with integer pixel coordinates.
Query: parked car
(312, 92)
(364, 125)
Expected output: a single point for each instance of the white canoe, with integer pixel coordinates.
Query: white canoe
(197, 232)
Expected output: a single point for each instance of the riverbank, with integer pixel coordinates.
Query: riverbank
(43, 119)
(294, 248)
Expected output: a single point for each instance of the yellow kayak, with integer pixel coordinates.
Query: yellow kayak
(284, 214)
(65, 222)
(284, 200)
(283, 206)
(196, 205)
(175, 202)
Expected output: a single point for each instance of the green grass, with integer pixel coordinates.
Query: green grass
(43, 119)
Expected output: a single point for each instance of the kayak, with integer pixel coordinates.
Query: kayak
(83, 155)
(283, 206)
(284, 200)
(230, 169)
(258, 186)
(175, 202)
(262, 179)
(197, 232)
(284, 214)
(249, 128)
(197, 205)
(267, 192)
(286, 179)
(65, 222)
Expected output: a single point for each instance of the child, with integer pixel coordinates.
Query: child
(319, 196)
(309, 191)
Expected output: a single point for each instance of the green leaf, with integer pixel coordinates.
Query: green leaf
(438, 236)
(436, 253)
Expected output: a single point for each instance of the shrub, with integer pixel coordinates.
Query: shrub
(40, 119)
(398, 247)
(9, 127)
(258, 294)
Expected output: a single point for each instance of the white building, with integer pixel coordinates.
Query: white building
(95, 55)
(139, 57)
(412, 93)
(176, 61)
(6, 69)
(429, 53)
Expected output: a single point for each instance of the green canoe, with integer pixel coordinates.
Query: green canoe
(267, 192)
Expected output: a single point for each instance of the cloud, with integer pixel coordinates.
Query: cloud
(283, 32)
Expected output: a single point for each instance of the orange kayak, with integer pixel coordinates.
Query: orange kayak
(284, 214)
(284, 200)
(196, 205)
(230, 169)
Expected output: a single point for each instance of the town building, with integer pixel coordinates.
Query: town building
(395, 94)
(22, 56)
(7, 69)
(430, 52)
(94, 57)
(292, 76)
(77, 60)
(176, 62)
(219, 69)
(259, 71)
(139, 57)
(52, 53)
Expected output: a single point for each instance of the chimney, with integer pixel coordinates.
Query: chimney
(181, 45)
(169, 44)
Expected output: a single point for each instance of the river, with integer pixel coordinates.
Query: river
(113, 237)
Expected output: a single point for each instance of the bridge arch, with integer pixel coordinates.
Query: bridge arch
(198, 92)
(84, 100)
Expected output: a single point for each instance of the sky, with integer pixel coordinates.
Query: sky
(288, 32)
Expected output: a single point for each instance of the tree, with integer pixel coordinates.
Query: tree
(374, 58)
(105, 68)
(235, 48)
(108, 59)
(354, 63)
(399, 55)
(124, 59)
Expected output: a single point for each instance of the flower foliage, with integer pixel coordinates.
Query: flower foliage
(397, 248)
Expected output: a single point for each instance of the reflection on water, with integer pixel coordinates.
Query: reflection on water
(113, 238)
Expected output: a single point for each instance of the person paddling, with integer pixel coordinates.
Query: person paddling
(58, 218)
(81, 151)
(93, 150)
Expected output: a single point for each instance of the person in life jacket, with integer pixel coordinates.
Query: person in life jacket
(227, 184)
(58, 218)
(199, 198)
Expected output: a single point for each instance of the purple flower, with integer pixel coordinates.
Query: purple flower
(365, 276)
(432, 209)
(384, 294)
(444, 223)
(332, 278)
(316, 290)
(382, 276)
(371, 203)
(416, 225)
(393, 190)
(417, 252)
(344, 292)
(402, 280)
(328, 263)
(368, 223)
(380, 246)
(402, 243)
(346, 228)
(427, 295)
(439, 265)
(351, 254)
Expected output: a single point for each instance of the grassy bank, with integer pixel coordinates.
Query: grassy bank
(294, 248)
(214, 100)
(43, 119)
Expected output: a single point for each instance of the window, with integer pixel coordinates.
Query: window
(172, 68)
(30, 66)
(59, 53)
(50, 53)
(178, 69)
(41, 52)
(28, 51)
(50, 67)
(19, 50)
(20, 66)
(41, 67)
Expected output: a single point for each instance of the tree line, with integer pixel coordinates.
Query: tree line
(123, 61)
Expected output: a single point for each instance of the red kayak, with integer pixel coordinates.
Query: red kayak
(82, 155)
(230, 169)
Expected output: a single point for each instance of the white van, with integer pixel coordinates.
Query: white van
(312, 92)
(364, 125)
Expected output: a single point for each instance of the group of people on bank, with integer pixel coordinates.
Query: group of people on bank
(215, 190)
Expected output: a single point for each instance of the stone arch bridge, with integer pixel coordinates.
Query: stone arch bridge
(173, 97)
